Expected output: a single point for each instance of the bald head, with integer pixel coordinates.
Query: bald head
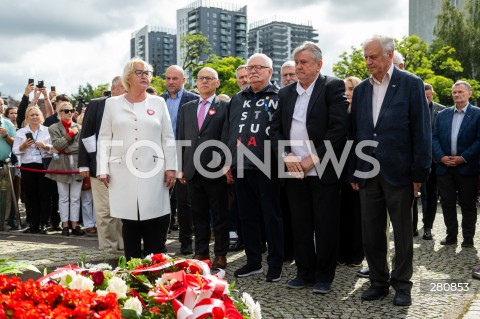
(175, 79)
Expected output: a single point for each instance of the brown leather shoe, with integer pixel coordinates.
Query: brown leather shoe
(201, 257)
(220, 262)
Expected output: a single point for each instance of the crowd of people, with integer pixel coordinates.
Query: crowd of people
(316, 169)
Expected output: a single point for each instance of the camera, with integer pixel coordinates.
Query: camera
(52, 88)
(31, 81)
(40, 84)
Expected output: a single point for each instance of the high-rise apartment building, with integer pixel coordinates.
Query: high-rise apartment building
(277, 38)
(423, 17)
(223, 24)
(155, 45)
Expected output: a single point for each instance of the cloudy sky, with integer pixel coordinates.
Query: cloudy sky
(70, 43)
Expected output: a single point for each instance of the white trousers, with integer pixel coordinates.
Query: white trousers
(69, 200)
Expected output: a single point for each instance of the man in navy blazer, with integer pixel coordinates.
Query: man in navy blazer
(201, 121)
(390, 109)
(175, 97)
(456, 149)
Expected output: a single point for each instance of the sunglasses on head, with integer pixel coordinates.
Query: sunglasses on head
(66, 111)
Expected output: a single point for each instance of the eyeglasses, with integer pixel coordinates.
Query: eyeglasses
(256, 67)
(286, 75)
(66, 111)
(205, 78)
(140, 73)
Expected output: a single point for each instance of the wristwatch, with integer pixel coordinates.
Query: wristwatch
(284, 154)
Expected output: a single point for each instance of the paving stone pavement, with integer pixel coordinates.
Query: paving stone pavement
(431, 262)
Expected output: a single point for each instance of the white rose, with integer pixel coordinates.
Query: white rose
(134, 304)
(118, 286)
(64, 275)
(81, 283)
(102, 292)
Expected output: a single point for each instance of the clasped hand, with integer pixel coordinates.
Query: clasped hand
(299, 168)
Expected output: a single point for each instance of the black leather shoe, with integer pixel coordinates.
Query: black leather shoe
(186, 250)
(375, 293)
(174, 227)
(467, 243)
(43, 230)
(447, 242)
(415, 233)
(402, 298)
(238, 246)
(427, 234)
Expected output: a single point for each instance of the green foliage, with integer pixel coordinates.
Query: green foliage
(194, 46)
(352, 64)
(460, 29)
(225, 68)
(438, 65)
(415, 53)
(88, 92)
(159, 84)
(9, 266)
(443, 89)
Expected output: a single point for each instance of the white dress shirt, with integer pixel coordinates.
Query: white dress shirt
(298, 130)
(32, 154)
(379, 91)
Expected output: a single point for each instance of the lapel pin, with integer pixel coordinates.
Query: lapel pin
(393, 85)
(150, 111)
(212, 112)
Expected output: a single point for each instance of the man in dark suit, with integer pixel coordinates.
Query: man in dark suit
(314, 111)
(390, 111)
(175, 97)
(430, 187)
(456, 149)
(202, 121)
(109, 229)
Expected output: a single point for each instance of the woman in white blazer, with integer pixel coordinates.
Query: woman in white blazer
(136, 159)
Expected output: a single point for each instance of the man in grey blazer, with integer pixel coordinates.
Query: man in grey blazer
(389, 110)
(175, 97)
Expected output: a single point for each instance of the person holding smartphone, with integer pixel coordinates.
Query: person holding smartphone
(32, 146)
(65, 135)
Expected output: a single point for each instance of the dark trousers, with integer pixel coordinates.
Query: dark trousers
(152, 231)
(465, 186)
(259, 198)
(184, 214)
(206, 194)
(38, 195)
(315, 215)
(376, 198)
(351, 248)
(287, 225)
(430, 209)
(54, 214)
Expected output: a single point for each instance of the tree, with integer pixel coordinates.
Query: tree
(460, 30)
(159, 84)
(352, 64)
(438, 67)
(194, 46)
(88, 92)
(226, 68)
